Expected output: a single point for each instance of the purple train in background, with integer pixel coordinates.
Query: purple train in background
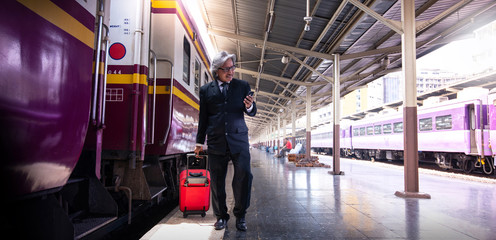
(456, 134)
(87, 145)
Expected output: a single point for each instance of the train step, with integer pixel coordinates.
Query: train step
(146, 181)
(87, 205)
(83, 227)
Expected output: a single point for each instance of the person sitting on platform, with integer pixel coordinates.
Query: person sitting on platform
(286, 148)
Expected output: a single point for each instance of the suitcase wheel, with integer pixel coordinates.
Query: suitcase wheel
(203, 214)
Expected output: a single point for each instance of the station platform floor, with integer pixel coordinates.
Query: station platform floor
(290, 202)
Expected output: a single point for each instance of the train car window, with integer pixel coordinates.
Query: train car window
(197, 76)
(425, 124)
(472, 118)
(398, 127)
(386, 128)
(377, 129)
(186, 60)
(356, 131)
(362, 131)
(443, 122)
(370, 130)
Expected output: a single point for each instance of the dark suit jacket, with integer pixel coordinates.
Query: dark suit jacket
(223, 119)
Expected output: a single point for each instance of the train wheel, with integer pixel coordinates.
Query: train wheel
(443, 161)
(468, 166)
(358, 155)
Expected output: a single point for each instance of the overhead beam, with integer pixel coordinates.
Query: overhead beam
(266, 36)
(234, 5)
(267, 105)
(277, 78)
(329, 79)
(421, 26)
(270, 44)
(373, 52)
(274, 95)
(308, 53)
(287, 89)
(266, 112)
(393, 25)
(276, 102)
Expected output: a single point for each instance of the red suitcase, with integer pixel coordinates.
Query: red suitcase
(194, 189)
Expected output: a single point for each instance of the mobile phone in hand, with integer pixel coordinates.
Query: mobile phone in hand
(251, 93)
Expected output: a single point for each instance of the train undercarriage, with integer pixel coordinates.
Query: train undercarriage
(446, 161)
(88, 207)
(465, 163)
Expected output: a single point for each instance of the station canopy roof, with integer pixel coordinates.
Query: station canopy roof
(368, 48)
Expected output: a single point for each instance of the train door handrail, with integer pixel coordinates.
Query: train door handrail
(481, 125)
(97, 61)
(154, 58)
(170, 98)
(105, 69)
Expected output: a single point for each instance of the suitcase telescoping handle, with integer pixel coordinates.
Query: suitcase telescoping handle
(198, 177)
(204, 156)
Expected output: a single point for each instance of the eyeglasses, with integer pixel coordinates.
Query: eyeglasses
(228, 69)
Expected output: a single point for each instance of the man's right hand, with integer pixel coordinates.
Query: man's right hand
(198, 149)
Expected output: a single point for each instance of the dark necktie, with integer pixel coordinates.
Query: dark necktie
(224, 89)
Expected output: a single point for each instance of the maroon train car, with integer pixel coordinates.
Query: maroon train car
(97, 113)
(47, 91)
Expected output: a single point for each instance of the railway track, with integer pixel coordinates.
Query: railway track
(434, 169)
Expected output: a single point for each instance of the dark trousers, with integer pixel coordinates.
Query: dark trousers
(241, 183)
(284, 151)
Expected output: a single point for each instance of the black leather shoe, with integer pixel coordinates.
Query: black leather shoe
(220, 224)
(241, 224)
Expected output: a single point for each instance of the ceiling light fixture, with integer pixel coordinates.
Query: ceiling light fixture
(307, 18)
(285, 59)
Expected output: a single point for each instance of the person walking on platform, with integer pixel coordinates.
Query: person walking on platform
(223, 103)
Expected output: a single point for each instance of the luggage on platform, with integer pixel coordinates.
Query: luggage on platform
(194, 188)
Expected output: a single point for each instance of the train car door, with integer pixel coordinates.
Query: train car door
(472, 121)
(492, 120)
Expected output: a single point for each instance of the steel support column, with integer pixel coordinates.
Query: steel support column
(284, 123)
(278, 134)
(270, 135)
(309, 122)
(293, 124)
(410, 136)
(273, 136)
(336, 118)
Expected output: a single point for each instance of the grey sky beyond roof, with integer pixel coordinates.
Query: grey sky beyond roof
(369, 49)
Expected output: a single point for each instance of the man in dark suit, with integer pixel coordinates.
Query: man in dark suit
(223, 103)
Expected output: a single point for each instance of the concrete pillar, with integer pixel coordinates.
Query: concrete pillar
(336, 118)
(273, 136)
(270, 135)
(309, 121)
(410, 137)
(284, 123)
(293, 124)
(266, 139)
(278, 134)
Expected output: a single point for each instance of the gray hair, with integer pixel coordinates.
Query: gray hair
(219, 59)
